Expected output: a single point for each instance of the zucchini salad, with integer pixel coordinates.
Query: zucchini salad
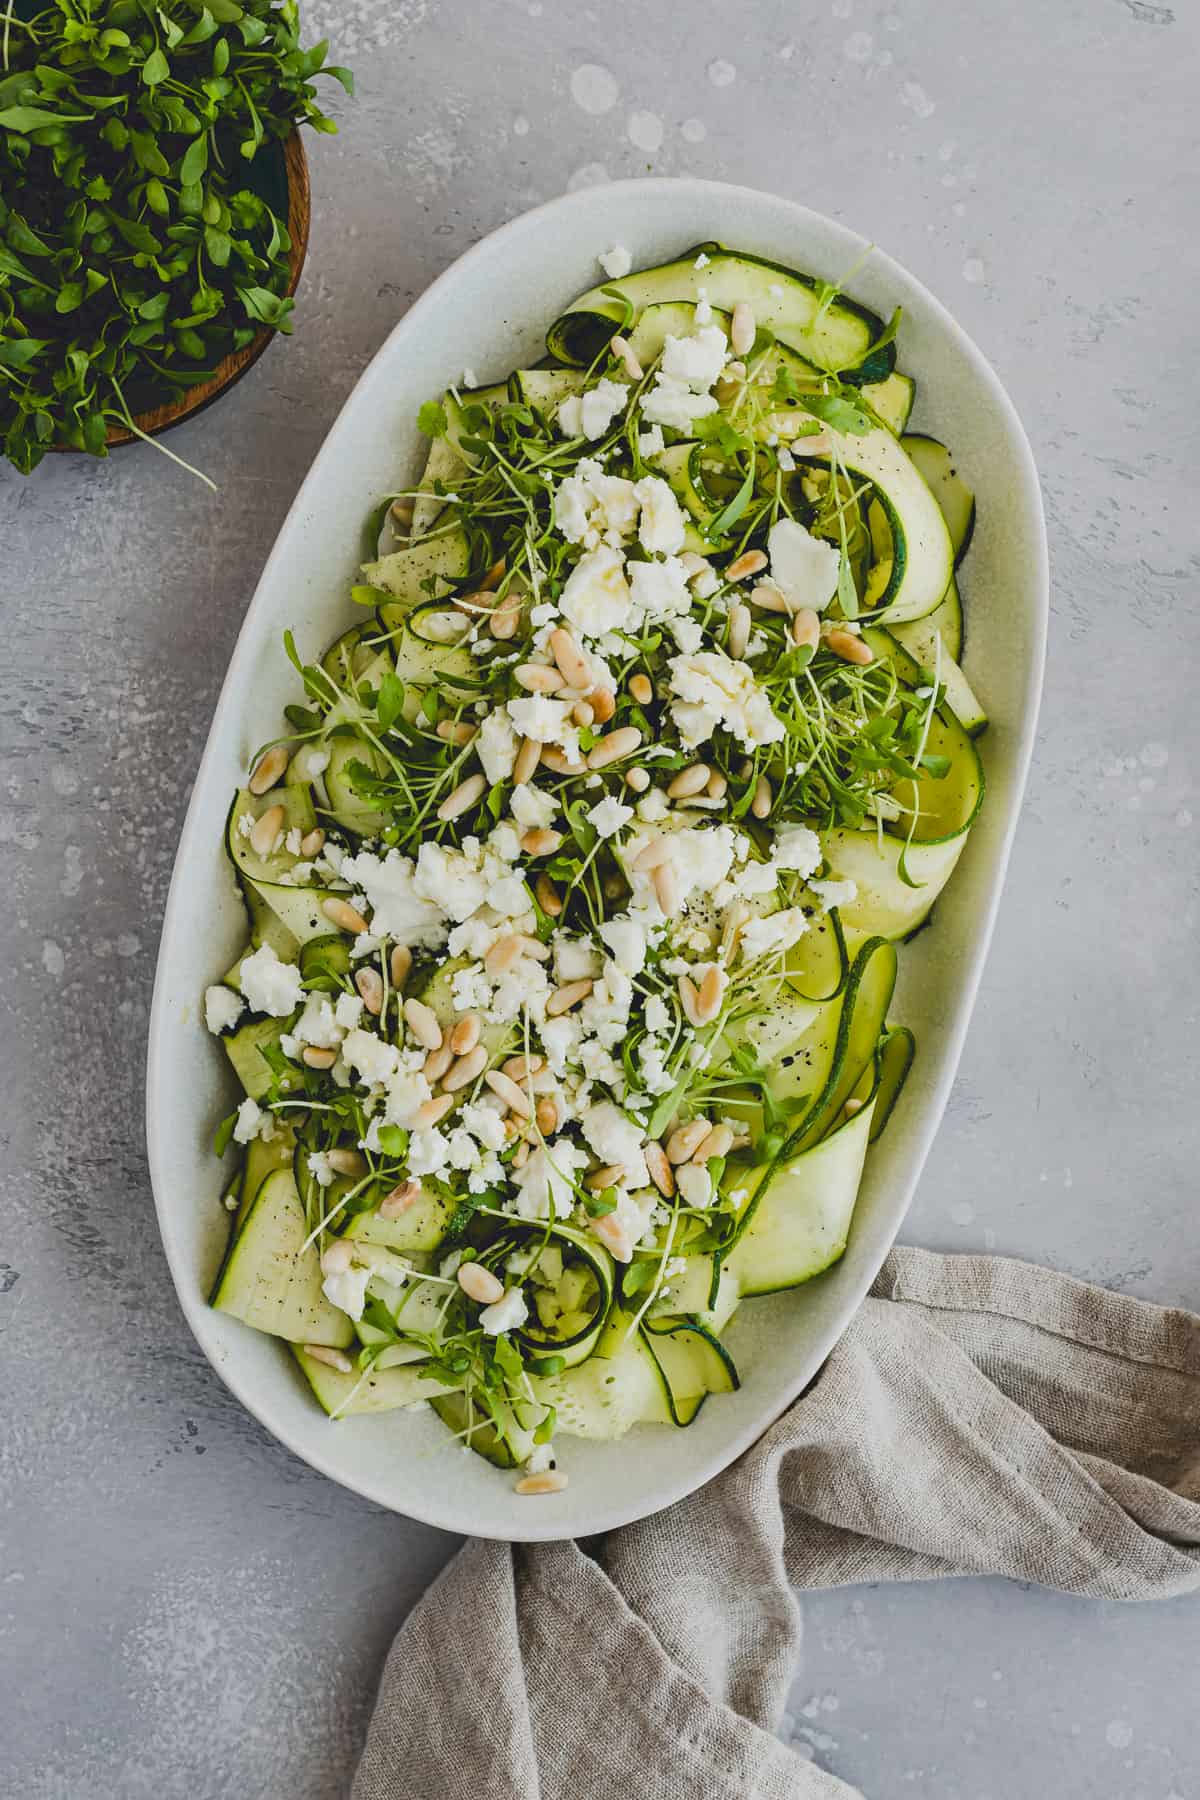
(575, 881)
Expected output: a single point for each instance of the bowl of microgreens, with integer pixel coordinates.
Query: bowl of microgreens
(154, 204)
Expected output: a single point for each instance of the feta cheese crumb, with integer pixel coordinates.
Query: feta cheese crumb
(222, 1008)
(798, 847)
(803, 568)
(399, 910)
(616, 1139)
(249, 1123)
(590, 414)
(610, 816)
(778, 931)
(715, 690)
(508, 1313)
(616, 262)
(270, 986)
(834, 893)
(652, 443)
(596, 597)
(661, 528)
(497, 747)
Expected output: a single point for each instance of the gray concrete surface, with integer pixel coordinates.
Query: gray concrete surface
(187, 1611)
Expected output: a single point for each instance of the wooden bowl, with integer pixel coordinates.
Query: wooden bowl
(233, 367)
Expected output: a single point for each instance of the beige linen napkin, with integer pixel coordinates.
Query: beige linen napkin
(979, 1417)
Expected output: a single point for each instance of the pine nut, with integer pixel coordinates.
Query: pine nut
(549, 1481)
(435, 1110)
(614, 1237)
(565, 997)
(402, 511)
(369, 983)
(689, 1000)
(268, 769)
(853, 1106)
(521, 1157)
(760, 806)
(611, 1175)
(502, 954)
(465, 1034)
(709, 994)
(694, 564)
(506, 1088)
(685, 1140)
(437, 1063)
(317, 1057)
(548, 897)
(545, 1115)
(575, 669)
(541, 842)
(504, 621)
(400, 965)
(344, 916)
(422, 1022)
(604, 704)
(614, 747)
(661, 1173)
(344, 1161)
(735, 918)
(726, 386)
(658, 850)
(313, 842)
(740, 621)
(333, 1359)
(583, 714)
(465, 795)
(478, 1283)
(637, 780)
(467, 1069)
(528, 756)
(742, 329)
(806, 628)
(750, 562)
(560, 763)
(642, 689)
(850, 648)
(265, 830)
(494, 576)
(517, 1068)
(399, 1200)
(666, 888)
(622, 349)
(766, 595)
(337, 1257)
(477, 602)
(689, 781)
(536, 679)
(717, 786)
(455, 731)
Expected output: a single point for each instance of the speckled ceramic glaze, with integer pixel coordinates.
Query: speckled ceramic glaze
(490, 312)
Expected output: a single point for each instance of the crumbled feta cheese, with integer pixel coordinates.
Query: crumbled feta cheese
(658, 589)
(653, 806)
(658, 1013)
(696, 360)
(673, 403)
(270, 986)
(540, 1458)
(804, 568)
(222, 1008)
(834, 893)
(616, 1139)
(610, 816)
(245, 824)
(372, 1058)
(316, 1025)
(320, 1168)
(702, 261)
(616, 262)
(347, 1289)
(470, 379)
(508, 1313)
(348, 1011)
(694, 1184)
(651, 443)
(447, 880)
(590, 506)
(575, 959)
(590, 414)
(661, 527)
(687, 633)
(497, 746)
(291, 842)
(544, 1185)
(703, 312)
(596, 597)
(250, 1116)
(715, 690)
(399, 909)
(626, 939)
(778, 931)
(533, 808)
(545, 720)
(428, 1152)
(797, 847)
(484, 1124)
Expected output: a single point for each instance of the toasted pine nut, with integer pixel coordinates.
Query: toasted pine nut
(735, 918)
(344, 916)
(455, 731)
(528, 756)
(604, 704)
(478, 1283)
(422, 1022)
(719, 1142)
(806, 627)
(611, 1175)
(268, 769)
(465, 1034)
(504, 621)
(344, 1161)
(708, 995)
(476, 602)
(333, 1359)
(689, 781)
(614, 747)
(661, 1173)
(548, 896)
(685, 1140)
(313, 842)
(400, 965)
(545, 1115)
(536, 679)
(317, 1057)
(574, 666)
(437, 1063)
(464, 796)
(689, 1000)
(850, 648)
(739, 630)
(637, 780)
(518, 1067)
(399, 1200)
(569, 995)
(693, 563)
(726, 385)
(265, 830)
(402, 510)
(502, 954)
(467, 1069)
(559, 762)
(666, 888)
(750, 562)
(742, 329)
(614, 1237)
(369, 983)
(717, 786)
(549, 1481)
(541, 842)
(853, 1106)
(521, 1157)
(766, 595)
(642, 689)
(435, 1110)
(337, 1257)
(760, 806)
(509, 1092)
(583, 713)
(622, 349)
(494, 576)
(658, 850)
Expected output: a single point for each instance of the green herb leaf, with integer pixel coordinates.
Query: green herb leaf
(432, 421)
(156, 68)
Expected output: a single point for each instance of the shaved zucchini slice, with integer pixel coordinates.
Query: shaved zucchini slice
(271, 1280)
(378, 1390)
(936, 465)
(444, 559)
